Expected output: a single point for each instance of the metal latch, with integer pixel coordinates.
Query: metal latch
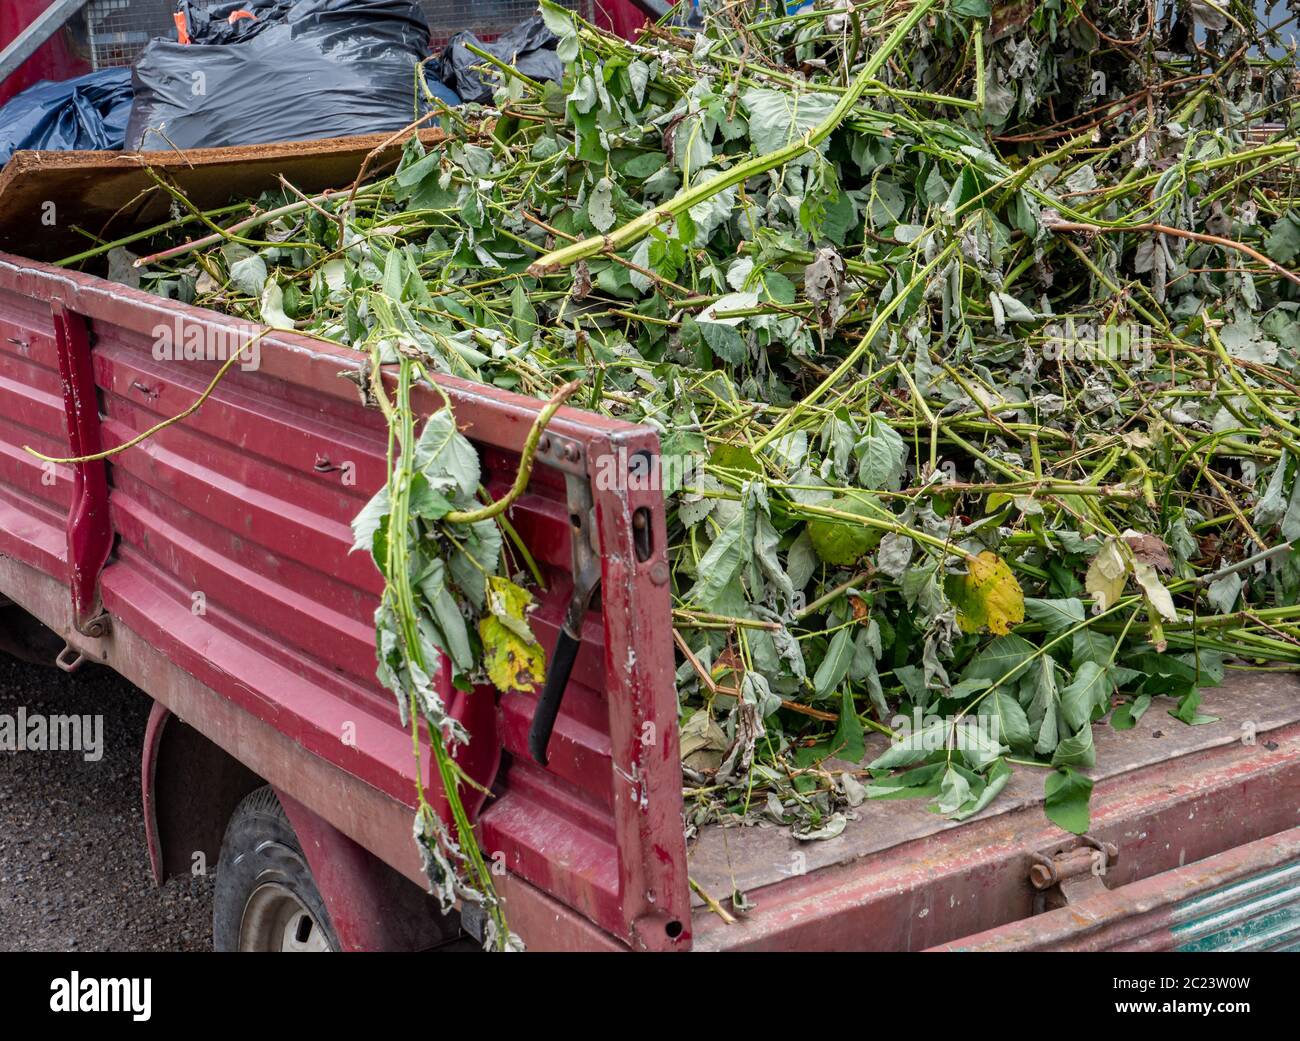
(1071, 874)
(586, 578)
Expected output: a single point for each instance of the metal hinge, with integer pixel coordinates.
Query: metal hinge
(1072, 873)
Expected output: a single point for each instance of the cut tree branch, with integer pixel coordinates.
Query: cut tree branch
(638, 228)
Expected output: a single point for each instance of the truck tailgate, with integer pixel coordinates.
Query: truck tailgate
(899, 877)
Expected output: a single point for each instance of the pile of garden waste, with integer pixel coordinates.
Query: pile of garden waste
(970, 333)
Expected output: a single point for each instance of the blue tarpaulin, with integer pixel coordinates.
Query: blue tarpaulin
(83, 113)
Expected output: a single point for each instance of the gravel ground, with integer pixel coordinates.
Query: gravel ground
(74, 870)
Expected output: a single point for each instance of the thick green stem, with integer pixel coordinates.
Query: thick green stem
(635, 230)
(495, 509)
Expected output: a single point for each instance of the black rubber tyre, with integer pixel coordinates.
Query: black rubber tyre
(265, 898)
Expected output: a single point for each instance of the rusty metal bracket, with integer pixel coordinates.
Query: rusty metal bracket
(69, 659)
(1071, 873)
(563, 453)
(90, 534)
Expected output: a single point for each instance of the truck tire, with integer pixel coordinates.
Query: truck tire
(265, 898)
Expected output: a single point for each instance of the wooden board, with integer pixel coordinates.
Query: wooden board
(46, 196)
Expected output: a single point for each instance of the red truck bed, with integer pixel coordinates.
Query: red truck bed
(210, 566)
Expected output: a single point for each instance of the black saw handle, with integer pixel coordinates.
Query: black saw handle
(548, 707)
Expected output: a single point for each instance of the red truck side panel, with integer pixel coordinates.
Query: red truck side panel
(53, 60)
(231, 558)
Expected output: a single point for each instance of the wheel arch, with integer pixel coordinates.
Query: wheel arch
(191, 788)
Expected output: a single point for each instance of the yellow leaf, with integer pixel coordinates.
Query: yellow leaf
(511, 654)
(512, 664)
(988, 594)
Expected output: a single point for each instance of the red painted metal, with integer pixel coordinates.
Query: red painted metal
(375, 821)
(1140, 915)
(371, 906)
(232, 562)
(90, 534)
(34, 500)
(974, 876)
(153, 735)
(621, 17)
(56, 59)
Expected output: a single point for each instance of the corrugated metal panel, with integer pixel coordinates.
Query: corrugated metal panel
(1256, 914)
(248, 501)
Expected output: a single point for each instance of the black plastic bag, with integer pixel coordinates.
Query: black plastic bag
(299, 69)
(213, 25)
(88, 112)
(528, 47)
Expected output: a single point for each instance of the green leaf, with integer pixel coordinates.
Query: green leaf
(523, 315)
(849, 742)
(998, 776)
(1129, 714)
(1013, 724)
(444, 455)
(394, 282)
(1283, 241)
(600, 205)
(1044, 707)
(778, 117)
(247, 269)
(1187, 710)
(1055, 615)
(882, 455)
(724, 341)
(366, 523)
(272, 306)
(1089, 690)
(835, 665)
(979, 748)
(1066, 804)
(452, 634)
(920, 783)
(478, 555)
(1076, 750)
(954, 791)
(914, 747)
(427, 501)
(1086, 645)
(1003, 660)
(644, 165)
